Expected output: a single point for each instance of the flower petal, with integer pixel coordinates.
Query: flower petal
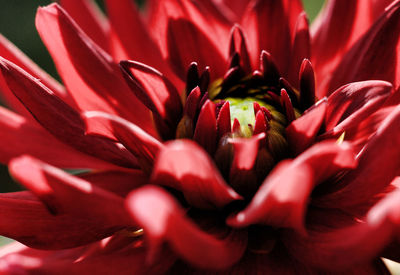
(24, 137)
(52, 113)
(12, 53)
(163, 220)
(282, 199)
(343, 22)
(206, 128)
(260, 24)
(26, 219)
(154, 90)
(91, 72)
(362, 62)
(64, 193)
(90, 19)
(138, 142)
(382, 147)
(199, 48)
(355, 101)
(184, 166)
(301, 133)
(351, 245)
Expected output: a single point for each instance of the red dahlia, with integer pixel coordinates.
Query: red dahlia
(213, 136)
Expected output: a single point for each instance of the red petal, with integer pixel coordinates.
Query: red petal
(154, 90)
(64, 193)
(187, 43)
(206, 128)
(351, 245)
(238, 45)
(307, 85)
(23, 137)
(362, 62)
(90, 19)
(224, 120)
(334, 32)
(184, 166)
(118, 182)
(101, 76)
(352, 103)
(301, 48)
(260, 24)
(301, 133)
(283, 197)
(12, 53)
(378, 164)
(137, 141)
(26, 219)
(52, 113)
(163, 220)
(135, 38)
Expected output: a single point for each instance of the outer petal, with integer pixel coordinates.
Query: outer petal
(260, 24)
(137, 141)
(86, 62)
(52, 113)
(354, 102)
(12, 53)
(127, 261)
(184, 166)
(351, 245)
(23, 137)
(26, 219)
(382, 148)
(90, 19)
(163, 220)
(343, 22)
(63, 193)
(362, 62)
(302, 132)
(282, 199)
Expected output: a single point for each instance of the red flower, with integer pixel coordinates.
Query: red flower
(272, 182)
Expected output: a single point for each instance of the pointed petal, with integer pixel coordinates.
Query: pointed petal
(154, 90)
(238, 45)
(154, 209)
(86, 62)
(361, 61)
(117, 182)
(301, 48)
(350, 245)
(24, 137)
(184, 166)
(283, 197)
(259, 23)
(12, 53)
(137, 141)
(51, 112)
(90, 19)
(135, 39)
(343, 22)
(381, 148)
(199, 48)
(65, 194)
(206, 128)
(301, 133)
(307, 85)
(24, 218)
(352, 103)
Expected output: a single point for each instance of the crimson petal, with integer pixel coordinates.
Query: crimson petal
(52, 113)
(362, 62)
(138, 142)
(64, 193)
(184, 166)
(282, 199)
(183, 236)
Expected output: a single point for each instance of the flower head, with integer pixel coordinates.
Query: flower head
(214, 137)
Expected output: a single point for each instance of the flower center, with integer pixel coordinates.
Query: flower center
(261, 106)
